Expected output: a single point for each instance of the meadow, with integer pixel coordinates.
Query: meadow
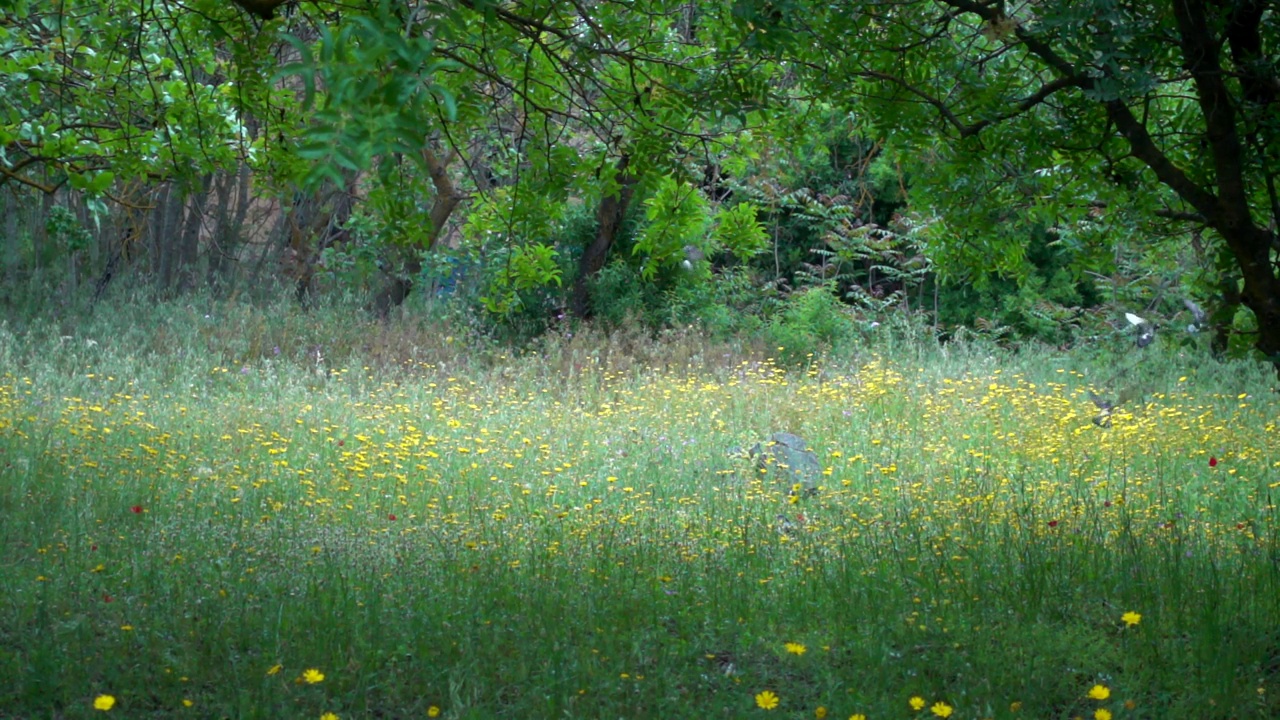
(218, 513)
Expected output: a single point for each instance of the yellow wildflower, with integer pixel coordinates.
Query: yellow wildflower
(767, 700)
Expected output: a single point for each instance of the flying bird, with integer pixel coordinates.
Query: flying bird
(1146, 330)
(1200, 320)
(1106, 406)
(692, 256)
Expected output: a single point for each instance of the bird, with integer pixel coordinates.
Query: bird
(784, 525)
(1107, 407)
(692, 256)
(1146, 330)
(1200, 320)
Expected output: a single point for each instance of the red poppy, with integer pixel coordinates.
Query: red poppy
(1106, 504)
(136, 509)
(1239, 526)
(107, 598)
(391, 518)
(1213, 461)
(1053, 523)
(341, 443)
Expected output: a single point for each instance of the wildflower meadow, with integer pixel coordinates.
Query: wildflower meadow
(567, 533)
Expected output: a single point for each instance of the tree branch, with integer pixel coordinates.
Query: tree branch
(18, 177)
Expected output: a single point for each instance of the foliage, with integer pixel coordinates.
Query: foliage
(95, 96)
(1084, 117)
(901, 154)
(677, 216)
(380, 94)
(1046, 303)
(739, 232)
(527, 267)
(809, 323)
(732, 304)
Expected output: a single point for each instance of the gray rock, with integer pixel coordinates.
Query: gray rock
(787, 459)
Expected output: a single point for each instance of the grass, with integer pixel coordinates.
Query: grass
(200, 526)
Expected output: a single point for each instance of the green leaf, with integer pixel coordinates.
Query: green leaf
(101, 182)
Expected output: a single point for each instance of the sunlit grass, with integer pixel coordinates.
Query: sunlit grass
(276, 536)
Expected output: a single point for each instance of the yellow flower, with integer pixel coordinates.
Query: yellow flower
(329, 716)
(1102, 714)
(104, 703)
(916, 703)
(274, 669)
(767, 700)
(433, 711)
(941, 709)
(186, 702)
(1131, 618)
(311, 676)
(1015, 706)
(796, 648)
(1099, 692)
(126, 628)
(821, 712)
(857, 716)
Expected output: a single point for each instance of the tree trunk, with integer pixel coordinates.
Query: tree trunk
(162, 231)
(1230, 212)
(315, 223)
(189, 244)
(1252, 248)
(393, 294)
(609, 216)
(12, 251)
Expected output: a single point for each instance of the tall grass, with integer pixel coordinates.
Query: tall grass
(201, 503)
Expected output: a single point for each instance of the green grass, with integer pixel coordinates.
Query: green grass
(190, 516)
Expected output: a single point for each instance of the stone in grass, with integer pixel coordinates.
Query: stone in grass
(788, 459)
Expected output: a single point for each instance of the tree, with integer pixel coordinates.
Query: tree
(580, 102)
(1093, 113)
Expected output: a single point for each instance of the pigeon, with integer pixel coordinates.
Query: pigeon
(1200, 320)
(1107, 407)
(692, 256)
(1146, 331)
(784, 525)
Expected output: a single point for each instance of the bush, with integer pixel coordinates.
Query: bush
(809, 323)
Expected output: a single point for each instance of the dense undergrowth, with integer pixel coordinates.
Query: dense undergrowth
(211, 510)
